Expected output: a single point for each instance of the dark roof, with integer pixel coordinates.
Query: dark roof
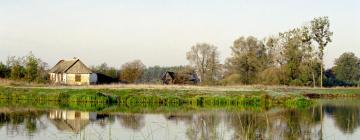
(171, 74)
(64, 65)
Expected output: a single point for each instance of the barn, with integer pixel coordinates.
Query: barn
(72, 72)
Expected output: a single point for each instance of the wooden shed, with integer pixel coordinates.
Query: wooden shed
(179, 78)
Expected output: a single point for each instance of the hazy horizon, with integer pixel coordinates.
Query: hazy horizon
(160, 32)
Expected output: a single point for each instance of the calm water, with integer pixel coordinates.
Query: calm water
(335, 119)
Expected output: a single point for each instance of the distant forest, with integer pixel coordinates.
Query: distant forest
(293, 57)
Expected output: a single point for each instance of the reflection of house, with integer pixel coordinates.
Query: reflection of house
(71, 121)
(72, 72)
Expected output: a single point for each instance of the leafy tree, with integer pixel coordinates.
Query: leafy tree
(17, 70)
(299, 63)
(346, 68)
(320, 30)
(4, 71)
(31, 67)
(106, 70)
(271, 76)
(249, 57)
(131, 72)
(205, 59)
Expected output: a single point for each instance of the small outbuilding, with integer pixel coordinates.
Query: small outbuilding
(72, 72)
(179, 78)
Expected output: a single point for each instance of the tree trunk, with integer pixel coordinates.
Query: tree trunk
(313, 78)
(321, 73)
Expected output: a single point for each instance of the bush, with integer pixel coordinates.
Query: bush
(296, 82)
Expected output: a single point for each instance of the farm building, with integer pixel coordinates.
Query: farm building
(72, 72)
(179, 78)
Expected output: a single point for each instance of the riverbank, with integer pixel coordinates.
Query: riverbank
(76, 97)
(155, 97)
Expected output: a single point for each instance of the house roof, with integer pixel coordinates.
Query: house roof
(64, 65)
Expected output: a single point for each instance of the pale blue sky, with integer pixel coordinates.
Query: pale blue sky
(160, 32)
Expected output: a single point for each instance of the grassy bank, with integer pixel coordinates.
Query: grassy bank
(322, 92)
(97, 99)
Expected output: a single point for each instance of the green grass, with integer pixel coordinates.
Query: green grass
(147, 99)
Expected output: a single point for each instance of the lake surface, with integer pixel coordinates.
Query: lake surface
(329, 119)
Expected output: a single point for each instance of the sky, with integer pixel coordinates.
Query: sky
(160, 32)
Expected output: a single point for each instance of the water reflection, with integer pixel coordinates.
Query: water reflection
(131, 121)
(325, 121)
(71, 121)
(346, 118)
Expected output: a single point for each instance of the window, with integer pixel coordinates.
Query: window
(77, 78)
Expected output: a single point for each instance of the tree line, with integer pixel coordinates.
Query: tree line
(27, 68)
(293, 57)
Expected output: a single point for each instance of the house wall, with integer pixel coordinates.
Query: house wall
(69, 79)
(85, 79)
(57, 78)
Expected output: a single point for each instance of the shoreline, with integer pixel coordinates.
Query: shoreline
(154, 97)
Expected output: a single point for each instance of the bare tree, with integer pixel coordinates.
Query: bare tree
(205, 58)
(132, 71)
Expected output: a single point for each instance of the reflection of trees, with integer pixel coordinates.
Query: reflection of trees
(13, 121)
(247, 125)
(298, 124)
(346, 118)
(280, 124)
(131, 121)
(203, 127)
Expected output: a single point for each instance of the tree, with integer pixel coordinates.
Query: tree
(42, 75)
(248, 58)
(31, 67)
(106, 70)
(205, 59)
(17, 70)
(297, 56)
(346, 68)
(320, 30)
(131, 72)
(4, 71)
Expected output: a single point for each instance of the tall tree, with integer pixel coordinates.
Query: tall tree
(132, 71)
(321, 33)
(205, 58)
